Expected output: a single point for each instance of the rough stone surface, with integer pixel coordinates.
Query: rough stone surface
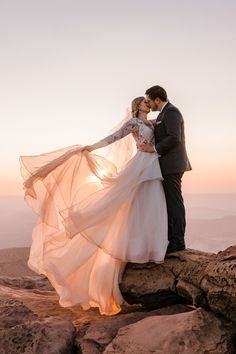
(45, 336)
(203, 279)
(99, 334)
(32, 321)
(13, 262)
(22, 331)
(26, 282)
(192, 332)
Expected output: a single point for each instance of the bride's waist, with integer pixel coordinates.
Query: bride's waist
(144, 165)
(144, 159)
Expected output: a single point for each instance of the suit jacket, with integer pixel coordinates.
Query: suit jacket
(170, 141)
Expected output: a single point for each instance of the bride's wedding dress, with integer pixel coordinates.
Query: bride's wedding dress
(94, 215)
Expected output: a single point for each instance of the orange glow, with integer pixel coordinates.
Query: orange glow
(199, 180)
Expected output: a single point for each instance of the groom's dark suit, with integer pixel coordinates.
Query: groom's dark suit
(170, 144)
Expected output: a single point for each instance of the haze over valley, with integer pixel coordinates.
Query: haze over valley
(211, 221)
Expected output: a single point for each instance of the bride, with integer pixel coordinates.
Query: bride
(96, 213)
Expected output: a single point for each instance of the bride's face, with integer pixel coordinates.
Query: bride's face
(143, 107)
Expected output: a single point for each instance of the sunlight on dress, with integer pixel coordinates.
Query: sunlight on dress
(94, 216)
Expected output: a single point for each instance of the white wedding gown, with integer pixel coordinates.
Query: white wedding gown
(94, 218)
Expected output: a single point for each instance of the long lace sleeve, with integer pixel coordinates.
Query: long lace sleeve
(129, 127)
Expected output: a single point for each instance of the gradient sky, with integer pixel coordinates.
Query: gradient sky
(69, 70)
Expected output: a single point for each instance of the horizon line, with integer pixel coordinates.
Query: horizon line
(185, 193)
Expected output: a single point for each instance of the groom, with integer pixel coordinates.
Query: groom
(170, 145)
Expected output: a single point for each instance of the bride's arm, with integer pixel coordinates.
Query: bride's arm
(127, 128)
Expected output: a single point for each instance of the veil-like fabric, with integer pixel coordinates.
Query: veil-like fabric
(56, 182)
(37, 167)
(90, 210)
(122, 150)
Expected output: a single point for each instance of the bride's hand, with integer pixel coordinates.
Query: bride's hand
(87, 148)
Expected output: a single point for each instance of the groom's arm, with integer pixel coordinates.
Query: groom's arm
(173, 122)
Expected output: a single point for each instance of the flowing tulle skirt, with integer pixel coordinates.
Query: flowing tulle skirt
(92, 220)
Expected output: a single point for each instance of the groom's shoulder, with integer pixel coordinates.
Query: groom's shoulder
(170, 107)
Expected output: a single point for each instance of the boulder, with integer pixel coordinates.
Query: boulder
(99, 334)
(165, 296)
(192, 332)
(22, 331)
(202, 279)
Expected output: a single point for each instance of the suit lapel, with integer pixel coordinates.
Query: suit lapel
(160, 115)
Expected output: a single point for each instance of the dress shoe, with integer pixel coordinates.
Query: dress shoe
(174, 249)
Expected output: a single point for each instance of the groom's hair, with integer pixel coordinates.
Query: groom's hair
(157, 92)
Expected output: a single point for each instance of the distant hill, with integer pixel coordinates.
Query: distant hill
(211, 222)
(210, 206)
(211, 235)
(13, 262)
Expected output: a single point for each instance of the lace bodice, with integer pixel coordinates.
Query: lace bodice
(141, 132)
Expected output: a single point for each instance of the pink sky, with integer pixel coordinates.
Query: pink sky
(68, 74)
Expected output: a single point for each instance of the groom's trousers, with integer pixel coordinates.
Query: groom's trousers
(175, 209)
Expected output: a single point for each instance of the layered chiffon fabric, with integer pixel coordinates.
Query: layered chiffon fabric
(92, 220)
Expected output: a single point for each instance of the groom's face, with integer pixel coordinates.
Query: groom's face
(152, 104)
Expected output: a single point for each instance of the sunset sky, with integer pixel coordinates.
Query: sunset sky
(70, 68)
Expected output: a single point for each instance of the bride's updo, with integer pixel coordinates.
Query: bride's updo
(135, 105)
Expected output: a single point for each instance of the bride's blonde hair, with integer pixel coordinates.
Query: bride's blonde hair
(135, 105)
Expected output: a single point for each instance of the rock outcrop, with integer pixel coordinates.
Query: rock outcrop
(185, 305)
(13, 262)
(192, 277)
(22, 331)
(99, 334)
(181, 333)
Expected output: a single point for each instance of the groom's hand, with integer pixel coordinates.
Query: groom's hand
(146, 148)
